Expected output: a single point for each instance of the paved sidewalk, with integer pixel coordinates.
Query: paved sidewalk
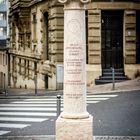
(29, 92)
(51, 137)
(129, 85)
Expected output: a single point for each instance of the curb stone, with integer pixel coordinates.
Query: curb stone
(35, 137)
(52, 137)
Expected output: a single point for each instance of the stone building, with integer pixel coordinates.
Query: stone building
(36, 41)
(3, 45)
(3, 69)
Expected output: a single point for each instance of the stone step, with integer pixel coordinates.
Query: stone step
(106, 76)
(116, 78)
(99, 81)
(110, 74)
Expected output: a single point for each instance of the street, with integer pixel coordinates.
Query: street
(114, 114)
(118, 116)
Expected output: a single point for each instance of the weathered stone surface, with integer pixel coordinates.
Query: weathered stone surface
(74, 129)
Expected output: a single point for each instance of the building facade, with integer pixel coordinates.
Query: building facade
(36, 41)
(3, 44)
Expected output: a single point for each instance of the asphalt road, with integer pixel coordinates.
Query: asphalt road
(119, 116)
(114, 114)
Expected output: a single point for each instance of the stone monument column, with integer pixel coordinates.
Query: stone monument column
(74, 123)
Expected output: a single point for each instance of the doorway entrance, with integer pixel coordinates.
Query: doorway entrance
(112, 39)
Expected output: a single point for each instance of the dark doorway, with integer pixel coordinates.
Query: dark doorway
(46, 49)
(112, 39)
(46, 34)
(138, 37)
(46, 81)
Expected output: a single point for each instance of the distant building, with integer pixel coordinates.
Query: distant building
(3, 44)
(36, 41)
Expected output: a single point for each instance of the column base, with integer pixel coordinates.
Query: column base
(74, 116)
(74, 129)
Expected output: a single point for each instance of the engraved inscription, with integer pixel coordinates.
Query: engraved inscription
(74, 60)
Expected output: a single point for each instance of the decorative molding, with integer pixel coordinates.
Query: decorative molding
(83, 1)
(62, 1)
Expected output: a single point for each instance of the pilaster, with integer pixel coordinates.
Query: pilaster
(130, 36)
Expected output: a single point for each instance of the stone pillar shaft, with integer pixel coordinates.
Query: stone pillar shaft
(74, 62)
(74, 123)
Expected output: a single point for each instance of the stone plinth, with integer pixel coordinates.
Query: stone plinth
(74, 129)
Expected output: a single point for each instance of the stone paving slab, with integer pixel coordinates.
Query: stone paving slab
(52, 137)
(117, 138)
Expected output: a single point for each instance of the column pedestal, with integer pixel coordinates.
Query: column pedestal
(74, 129)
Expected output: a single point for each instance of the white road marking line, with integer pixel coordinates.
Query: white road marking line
(95, 99)
(102, 96)
(35, 102)
(92, 102)
(41, 99)
(22, 119)
(28, 108)
(49, 105)
(11, 125)
(27, 114)
(4, 132)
